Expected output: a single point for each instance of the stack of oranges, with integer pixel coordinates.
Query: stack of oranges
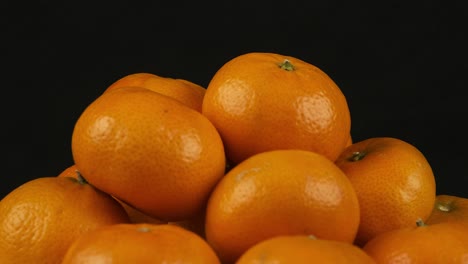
(258, 167)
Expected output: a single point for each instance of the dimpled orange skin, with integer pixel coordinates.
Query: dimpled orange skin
(443, 243)
(282, 192)
(449, 208)
(187, 92)
(393, 181)
(150, 151)
(140, 243)
(42, 217)
(302, 249)
(258, 106)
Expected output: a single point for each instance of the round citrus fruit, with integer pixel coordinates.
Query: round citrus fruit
(187, 92)
(140, 243)
(448, 208)
(280, 192)
(265, 101)
(394, 183)
(42, 217)
(443, 243)
(149, 151)
(135, 215)
(302, 249)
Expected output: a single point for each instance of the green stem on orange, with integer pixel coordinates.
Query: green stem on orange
(287, 65)
(80, 178)
(357, 155)
(420, 223)
(444, 207)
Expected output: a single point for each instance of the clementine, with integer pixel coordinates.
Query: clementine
(149, 151)
(443, 243)
(42, 217)
(280, 192)
(448, 208)
(185, 91)
(394, 183)
(140, 243)
(303, 249)
(135, 215)
(265, 101)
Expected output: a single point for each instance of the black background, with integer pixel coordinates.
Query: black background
(402, 66)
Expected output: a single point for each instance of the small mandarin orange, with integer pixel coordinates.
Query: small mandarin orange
(280, 192)
(443, 243)
(303, 249)
(265, 101)
(149, 151)
(42, 217)
(394, 183)
(448, 208)
(140, 243)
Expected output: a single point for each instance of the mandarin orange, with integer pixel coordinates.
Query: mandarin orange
(265, 101)
(443, 243)
(185, 91)
(448, 208)
(280, 192)
(140, 243)
(303, 249)
(394, 182)
(149, 151)
(42, 217)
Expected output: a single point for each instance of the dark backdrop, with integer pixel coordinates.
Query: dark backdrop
(402, 66)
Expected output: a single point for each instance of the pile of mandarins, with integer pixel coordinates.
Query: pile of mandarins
(258, 167)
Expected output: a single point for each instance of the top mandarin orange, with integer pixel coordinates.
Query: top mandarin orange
(265, 101)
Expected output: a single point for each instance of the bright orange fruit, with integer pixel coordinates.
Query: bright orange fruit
(448, 208)
(443, 243)
(266, 101)
(184, 91)
(41, 218)
(302, 249)
(280, 192)
(393, 181)
(140, 243)
(149, 151)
